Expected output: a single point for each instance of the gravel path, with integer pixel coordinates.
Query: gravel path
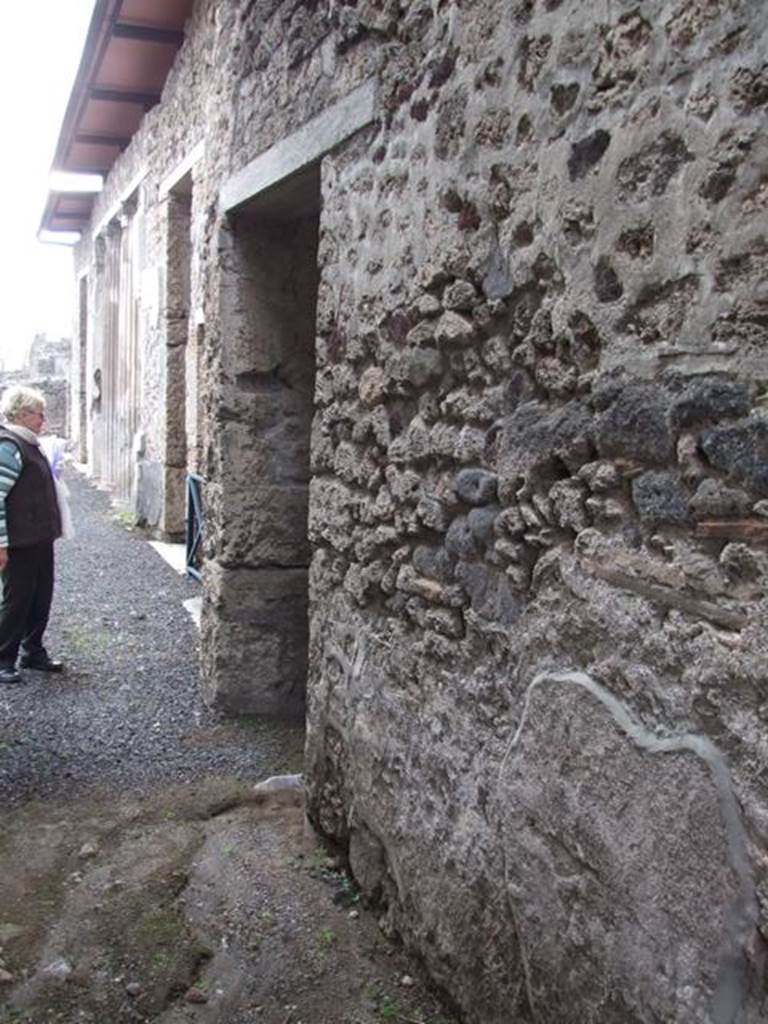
(126, 717)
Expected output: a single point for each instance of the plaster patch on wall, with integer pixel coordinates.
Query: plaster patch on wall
(150, 295)
(741, 916)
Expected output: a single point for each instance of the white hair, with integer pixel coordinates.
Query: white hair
(20, 397)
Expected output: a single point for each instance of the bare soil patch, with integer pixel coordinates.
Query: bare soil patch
(195, 904)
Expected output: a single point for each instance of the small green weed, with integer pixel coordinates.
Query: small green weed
(386, 1007)
(317, 863)
(326, 937)
(125, 518)
(93, 641)
(318, 860)
(348, 893)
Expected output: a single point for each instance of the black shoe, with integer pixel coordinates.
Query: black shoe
(40, 663)
(8, 674)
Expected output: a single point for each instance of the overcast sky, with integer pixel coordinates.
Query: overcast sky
(42, 43)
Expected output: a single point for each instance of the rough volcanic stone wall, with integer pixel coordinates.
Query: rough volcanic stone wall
(539, 496)
(537, 686)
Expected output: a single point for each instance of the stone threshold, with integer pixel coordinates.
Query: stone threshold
(176, 556)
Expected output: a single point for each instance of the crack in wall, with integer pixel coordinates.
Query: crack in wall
(741, 919)
(733, 976)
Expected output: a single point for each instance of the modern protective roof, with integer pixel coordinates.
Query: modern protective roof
(129, 50)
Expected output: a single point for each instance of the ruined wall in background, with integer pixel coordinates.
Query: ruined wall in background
(49, 357)
(540, 448)
(57, 397)
(56, 391)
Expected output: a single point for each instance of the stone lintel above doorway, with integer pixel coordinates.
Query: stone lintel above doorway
(303, 148)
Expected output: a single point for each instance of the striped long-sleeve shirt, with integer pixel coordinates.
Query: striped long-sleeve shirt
(10, 470)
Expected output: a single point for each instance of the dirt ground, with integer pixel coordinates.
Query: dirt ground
(141, 878)
(202, 903)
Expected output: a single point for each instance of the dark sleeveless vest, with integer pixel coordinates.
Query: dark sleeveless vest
(32, 510)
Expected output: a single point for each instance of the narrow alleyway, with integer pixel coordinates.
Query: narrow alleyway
(142, 879)
(127, 713)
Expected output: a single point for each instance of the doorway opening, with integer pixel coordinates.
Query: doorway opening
(180, 379)
(259, 583)
(79, 423)
(116, 379)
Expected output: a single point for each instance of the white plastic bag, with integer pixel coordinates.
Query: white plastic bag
(54, 448)
(62, 496)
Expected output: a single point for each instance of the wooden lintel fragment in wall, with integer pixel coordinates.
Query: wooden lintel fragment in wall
(728, 618)
(734, 529)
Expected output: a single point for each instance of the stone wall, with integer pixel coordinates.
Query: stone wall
(137, 213)
(57, 397)
(538, 499)
(537, 702)
(47, 368)
(49, 357)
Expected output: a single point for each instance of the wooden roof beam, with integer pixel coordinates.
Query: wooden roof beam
(82, 168)
(144, 99)
(67, 215)
(147, 33)
(87, 139)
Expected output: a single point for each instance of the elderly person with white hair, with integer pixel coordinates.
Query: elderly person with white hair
(30, 521)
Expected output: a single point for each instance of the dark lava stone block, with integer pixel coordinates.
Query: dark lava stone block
(460, 540)
(491, 594)
(709, 399)
(659, 498)
(635, 425)
(476, 486)
(434, 563)
(713, 499)
(586, 153)
(739, 451)
(481, 522)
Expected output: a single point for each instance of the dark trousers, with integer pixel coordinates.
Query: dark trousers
(26, 602)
